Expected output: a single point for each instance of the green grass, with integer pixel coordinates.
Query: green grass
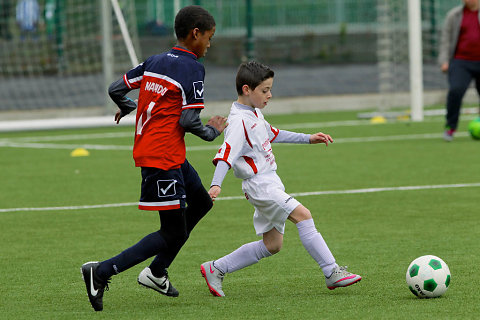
(376, 234)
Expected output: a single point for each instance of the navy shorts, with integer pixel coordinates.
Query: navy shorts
(168, 189)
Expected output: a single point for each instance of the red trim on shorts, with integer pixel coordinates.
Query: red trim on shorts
(194, 106)
(158, 208)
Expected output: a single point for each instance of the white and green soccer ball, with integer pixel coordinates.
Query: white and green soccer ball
(428, 277)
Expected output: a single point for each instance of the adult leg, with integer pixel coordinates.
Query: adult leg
(459, 78)
(477, 81)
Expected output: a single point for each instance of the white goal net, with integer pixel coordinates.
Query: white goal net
(52, 52)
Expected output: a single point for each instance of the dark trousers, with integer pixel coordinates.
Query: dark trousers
(460, 75)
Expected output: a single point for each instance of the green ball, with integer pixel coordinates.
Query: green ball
(474, 128)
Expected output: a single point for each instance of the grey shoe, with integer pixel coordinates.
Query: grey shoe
(448, 135)
(161, 285)
(341, 278)
(213, 277)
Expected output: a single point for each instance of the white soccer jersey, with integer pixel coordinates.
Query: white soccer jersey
(247, 143)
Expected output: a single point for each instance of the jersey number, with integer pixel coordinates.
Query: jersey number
(141, 123)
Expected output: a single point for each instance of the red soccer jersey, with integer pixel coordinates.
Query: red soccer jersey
(168, 83)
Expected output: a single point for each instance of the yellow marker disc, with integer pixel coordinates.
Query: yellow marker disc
(80, 152)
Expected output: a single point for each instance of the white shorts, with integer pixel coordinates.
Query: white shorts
(272, 205)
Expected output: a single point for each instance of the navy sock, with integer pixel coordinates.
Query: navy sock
(199, 203)
(149, 246)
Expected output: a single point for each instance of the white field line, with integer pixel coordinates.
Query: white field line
(33, 145)
(299, 194)
(126, 134)
(70, 137)
(351, 123)
(29, 142)
(64, 137)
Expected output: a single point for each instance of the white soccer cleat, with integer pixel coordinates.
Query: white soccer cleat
(162, 284)
(213, 277)
(341, 278)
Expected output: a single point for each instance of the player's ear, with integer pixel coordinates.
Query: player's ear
(245, 89)
(195, 33)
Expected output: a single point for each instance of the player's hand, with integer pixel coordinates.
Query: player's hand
(214, 192)
(118, 116)
(218, 122)
(444, 67)
(320, 138)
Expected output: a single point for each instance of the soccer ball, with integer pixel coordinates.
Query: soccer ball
(474, 128)
(428, 277)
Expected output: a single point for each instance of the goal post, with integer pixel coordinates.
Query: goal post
(400, 57)
(415, 59)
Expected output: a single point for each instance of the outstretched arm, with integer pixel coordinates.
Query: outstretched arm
(294, 137)
(190, 121)
(320, 137)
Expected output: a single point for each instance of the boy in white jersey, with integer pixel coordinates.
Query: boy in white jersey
(247, 149)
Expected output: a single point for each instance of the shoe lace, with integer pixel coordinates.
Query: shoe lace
(102, 283)
(220, 273)
(106, 284)
(342, 270)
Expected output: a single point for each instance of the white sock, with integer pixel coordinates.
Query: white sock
(244, 256)
(313, 242)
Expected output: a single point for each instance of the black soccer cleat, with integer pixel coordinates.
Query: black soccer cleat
(95, 285)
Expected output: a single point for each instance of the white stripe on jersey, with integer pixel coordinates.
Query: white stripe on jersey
(168, 79)
(129, 81)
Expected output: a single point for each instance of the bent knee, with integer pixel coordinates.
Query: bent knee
(274, 248)
(300, 214)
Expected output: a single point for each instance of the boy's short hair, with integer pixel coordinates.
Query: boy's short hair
(252, 74)
(191, 17)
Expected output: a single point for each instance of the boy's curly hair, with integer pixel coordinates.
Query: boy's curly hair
(191, 17)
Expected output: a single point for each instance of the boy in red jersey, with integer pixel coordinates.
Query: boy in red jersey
(169, 104)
